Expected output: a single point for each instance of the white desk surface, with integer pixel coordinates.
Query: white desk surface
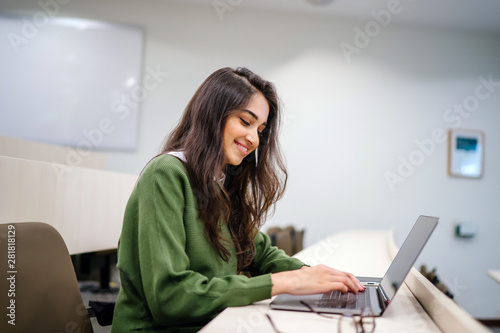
(364, 253)
(494, 274)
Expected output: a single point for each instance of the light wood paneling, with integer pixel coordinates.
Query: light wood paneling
(36, 151)
(85, 205)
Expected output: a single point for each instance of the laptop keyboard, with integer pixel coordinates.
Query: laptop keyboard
(336, 300)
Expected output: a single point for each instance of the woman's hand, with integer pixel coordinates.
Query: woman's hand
(314, 280)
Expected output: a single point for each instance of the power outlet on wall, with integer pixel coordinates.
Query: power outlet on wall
(466, 230)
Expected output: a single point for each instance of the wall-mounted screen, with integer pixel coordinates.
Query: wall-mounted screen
(70, 81)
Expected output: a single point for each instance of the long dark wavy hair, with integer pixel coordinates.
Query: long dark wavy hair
(252, 188)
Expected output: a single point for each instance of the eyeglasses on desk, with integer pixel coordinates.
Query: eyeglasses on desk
(363, 323)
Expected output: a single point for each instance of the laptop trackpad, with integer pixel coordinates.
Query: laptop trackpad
(292, 302)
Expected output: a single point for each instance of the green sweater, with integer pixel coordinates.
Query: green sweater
(173, 279)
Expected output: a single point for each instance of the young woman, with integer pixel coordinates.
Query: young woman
(192, 223)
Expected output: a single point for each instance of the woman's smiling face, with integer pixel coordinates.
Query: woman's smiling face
(243, 128)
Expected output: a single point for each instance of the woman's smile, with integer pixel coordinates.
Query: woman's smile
(243, 129)
(244, 149)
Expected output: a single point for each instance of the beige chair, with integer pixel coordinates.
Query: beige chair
(38, 282)
(288, 239)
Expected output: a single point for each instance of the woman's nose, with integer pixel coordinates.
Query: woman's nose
(253, 138)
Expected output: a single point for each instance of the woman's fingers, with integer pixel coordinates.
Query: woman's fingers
(356, 282)
(314, 280)
(347, 279)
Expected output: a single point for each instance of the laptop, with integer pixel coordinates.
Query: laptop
(379, 292)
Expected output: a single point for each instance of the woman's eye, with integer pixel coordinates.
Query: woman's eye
(245, 122)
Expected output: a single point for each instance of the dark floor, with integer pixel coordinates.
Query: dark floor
(91, 290)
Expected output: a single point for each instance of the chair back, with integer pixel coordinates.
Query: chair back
(39, 287)
(288, 239)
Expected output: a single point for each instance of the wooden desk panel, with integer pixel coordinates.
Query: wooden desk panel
(85, 205)
(36, 151)
(444, 311)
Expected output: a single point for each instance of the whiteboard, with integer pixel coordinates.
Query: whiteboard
(70, 81)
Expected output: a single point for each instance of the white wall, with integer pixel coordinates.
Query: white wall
(347, 124)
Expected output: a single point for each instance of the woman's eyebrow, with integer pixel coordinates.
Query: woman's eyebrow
(253, 115)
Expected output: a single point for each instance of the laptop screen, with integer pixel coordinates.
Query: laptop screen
(407, 255)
